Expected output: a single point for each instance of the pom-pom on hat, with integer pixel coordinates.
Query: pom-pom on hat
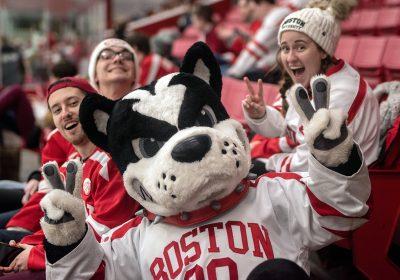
(74, 82)
(105, 44)
(320, 21)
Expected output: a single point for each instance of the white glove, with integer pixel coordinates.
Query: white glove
(64, 219)
(325, 130)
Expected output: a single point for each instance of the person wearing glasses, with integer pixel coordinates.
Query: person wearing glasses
(113, 68)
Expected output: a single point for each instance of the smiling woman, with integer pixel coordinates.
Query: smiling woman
(307, 39)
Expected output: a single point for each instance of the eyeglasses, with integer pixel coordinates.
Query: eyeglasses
(108, 54)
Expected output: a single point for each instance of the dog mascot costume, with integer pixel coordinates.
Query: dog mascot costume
(186, 162)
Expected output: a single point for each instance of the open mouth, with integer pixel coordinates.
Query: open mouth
(298, 71)
(71, 125)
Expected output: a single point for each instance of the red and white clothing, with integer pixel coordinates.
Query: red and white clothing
(350, 93)
(278, 216)
(154, 66)
(106, 201)
(261, 51)
(56, 149)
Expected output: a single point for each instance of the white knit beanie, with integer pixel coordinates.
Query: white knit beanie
(320, 21)
(105, 44)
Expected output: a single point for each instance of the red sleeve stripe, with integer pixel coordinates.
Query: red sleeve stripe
(288, 165)
(322, 208)
(283, 175)
(252, 53)
(292, 144)
(362, 90)
(284, 162)
(263, 48)
(125, 227)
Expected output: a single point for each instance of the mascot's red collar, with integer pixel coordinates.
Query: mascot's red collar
(216, 208)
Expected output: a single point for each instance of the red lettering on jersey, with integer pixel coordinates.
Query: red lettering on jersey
(211, 236)
(196, 271)
(216, 263)
(193, 245)
(243, 236)
(261, 239)
(173, 248)
(157, 269)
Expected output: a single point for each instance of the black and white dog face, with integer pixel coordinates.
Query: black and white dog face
(173, 140)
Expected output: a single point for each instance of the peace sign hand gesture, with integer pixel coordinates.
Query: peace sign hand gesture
(325, 130)
(254, 102)
(64, 215)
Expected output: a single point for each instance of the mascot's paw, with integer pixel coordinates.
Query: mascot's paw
(64, 220)
(325, 130)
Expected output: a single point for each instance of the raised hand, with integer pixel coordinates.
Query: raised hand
(64, 220)
(325, 130)
(254, 102)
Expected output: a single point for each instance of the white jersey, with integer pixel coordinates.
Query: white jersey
(261, 51)
(278, 216)
(350, 93)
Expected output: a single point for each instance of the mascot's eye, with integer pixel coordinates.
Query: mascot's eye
(206, 117)
(146, 147)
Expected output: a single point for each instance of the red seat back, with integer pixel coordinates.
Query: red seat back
(349, 26)
(180, 47)
(371, 241)
(391, 2)
(368, 58)
(388, 20)
(346, 48)
(367, 21)
(391, 58)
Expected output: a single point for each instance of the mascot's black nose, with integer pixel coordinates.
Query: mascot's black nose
(192, 149)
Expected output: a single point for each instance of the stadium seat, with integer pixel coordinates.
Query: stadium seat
(391, 2)
(191, 32)
(388, 20)
(234, 91)
(368, 58)
(371, 242)
(367, 21)
(369, 3)
(180, 46)
(391, 59)
(346, 48)
(349, 26)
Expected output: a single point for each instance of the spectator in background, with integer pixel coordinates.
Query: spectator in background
(237, 39)
(259, 55)
(151, 65)
(62, 69)
(12, 64)
(202, 20)
(113, 68)
(16, 112)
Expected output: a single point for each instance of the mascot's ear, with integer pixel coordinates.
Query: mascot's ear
(94, 113)
(200, 61)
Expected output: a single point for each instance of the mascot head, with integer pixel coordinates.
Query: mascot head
(173, 141)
